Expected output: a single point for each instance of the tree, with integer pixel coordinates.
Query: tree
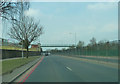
(80, 44)
(6, 8)
(63, 49)
(56, 49)
(12, 10)
(93, 41)
(72, 47)
(102, 44)
(26, 31)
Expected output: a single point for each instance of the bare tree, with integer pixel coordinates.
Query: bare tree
(12, 10)
(72, 47)
(93, 41)
(80, 44)
(6, 8)
(26, 31)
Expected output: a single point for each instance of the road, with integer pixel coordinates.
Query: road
(63, 69)
(102, 59)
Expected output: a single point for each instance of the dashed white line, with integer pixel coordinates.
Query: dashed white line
(69, 68)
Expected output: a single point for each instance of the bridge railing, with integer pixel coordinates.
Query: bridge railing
(56, 45)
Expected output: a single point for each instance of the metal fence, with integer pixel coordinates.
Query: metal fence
(106, 55)
(107, 52)
(89, 52)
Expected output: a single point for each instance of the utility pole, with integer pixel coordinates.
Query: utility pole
(75, 38)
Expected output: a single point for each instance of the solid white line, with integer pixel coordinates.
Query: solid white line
(69, 68)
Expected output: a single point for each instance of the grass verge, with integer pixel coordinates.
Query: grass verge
(9, 65)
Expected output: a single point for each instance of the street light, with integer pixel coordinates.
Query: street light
(39, 45)
(22, 50)
(22, 32)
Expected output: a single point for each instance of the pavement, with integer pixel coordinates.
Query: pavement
(65, 69)
(18, 71)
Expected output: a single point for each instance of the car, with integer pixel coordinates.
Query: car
(46, 54)
(42, 53)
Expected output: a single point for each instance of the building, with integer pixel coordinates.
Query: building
(34, 46)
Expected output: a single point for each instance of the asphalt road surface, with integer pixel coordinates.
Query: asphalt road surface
(63, 69)
(102, 59)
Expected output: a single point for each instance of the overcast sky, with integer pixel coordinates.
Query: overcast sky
(62, 20)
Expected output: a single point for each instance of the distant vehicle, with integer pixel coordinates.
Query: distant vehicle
(42, 53)
(46, 54)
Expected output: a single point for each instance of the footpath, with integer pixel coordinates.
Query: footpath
(19, 71)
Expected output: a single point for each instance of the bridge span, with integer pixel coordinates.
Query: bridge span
(57, 45)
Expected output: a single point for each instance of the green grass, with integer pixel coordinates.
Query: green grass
(9, 65)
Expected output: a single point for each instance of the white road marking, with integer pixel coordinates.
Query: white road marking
(69, 68)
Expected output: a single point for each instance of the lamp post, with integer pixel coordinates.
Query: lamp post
(21, 17)
(75, 39)
(39, 46)
(22, 50)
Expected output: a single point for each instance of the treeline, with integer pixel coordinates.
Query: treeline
(101, 48)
